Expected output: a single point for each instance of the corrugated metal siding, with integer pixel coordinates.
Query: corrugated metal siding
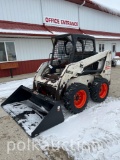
(31, 49)
(99, 21)
(60, 9)
(28, 11)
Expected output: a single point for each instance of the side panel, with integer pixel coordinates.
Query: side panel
(74, 69)
(82, 79)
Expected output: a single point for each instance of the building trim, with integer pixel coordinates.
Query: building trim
(8, 28)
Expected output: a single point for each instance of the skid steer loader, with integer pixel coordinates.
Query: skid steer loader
(74, 71)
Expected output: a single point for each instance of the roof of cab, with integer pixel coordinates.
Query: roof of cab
(83, 36)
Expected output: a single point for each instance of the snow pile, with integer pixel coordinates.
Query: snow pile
(92, 134)
(111, 6)
(117, 59)
(118, 62)
(6, 89)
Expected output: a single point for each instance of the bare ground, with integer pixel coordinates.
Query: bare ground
(115, 83)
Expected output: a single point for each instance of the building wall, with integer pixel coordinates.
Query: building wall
(31, 52)
(28, 11)
(30, 49)
(36, 11)
(108, 44)
(36, 49)
(23, 68)
(91, 19)
(60, 10)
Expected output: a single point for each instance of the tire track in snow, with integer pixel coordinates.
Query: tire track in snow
(98, 144)
(88, 149)
(102, 143)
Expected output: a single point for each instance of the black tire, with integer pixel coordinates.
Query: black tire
(114, 63)
(76, 93)
(99, 90)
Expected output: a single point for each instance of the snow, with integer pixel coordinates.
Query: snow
(17, 109)
(118, 62)
(105, 37)
(93, 134)
(110, 5)
(8, 88)
(24, 31)
(117, 58)
(59, 33)
(29, 121)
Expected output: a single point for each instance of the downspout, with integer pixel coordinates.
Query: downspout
(41, 6)
(83, 3)
(47, 29)
(79, 12)
(41, 11)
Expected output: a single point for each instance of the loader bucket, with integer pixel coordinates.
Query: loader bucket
(34, 112)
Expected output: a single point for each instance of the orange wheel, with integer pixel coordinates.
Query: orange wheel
(76, 97)
(103, 90)
(99, 90)
(80, 99)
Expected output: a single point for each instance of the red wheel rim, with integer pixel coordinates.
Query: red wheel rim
(103, 90)
(80, 99)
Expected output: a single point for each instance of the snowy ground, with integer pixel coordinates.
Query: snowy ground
(90, 135)
(118, 62)
(93, 134)
(7, 88)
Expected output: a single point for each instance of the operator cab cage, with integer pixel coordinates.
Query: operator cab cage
(73, 47)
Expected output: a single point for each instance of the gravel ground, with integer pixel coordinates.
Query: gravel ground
(11, 132)
(115, 83)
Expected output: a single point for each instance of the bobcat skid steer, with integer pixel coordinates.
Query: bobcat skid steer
(75, 71)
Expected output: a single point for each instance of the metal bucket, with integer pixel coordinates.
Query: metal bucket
(24, 103)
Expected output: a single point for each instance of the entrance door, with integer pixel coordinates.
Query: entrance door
(113, 50)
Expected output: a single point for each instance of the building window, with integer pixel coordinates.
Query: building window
(101, 47)
(113, 48)
(7, 51)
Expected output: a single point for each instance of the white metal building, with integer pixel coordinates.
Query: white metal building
(27, 25)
